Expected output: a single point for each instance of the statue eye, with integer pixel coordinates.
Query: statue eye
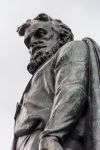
(40, 33)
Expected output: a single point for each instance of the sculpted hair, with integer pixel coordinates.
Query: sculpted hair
(64, 32)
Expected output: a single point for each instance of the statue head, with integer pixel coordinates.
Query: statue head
(43, 36)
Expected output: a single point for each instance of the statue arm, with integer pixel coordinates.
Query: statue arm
(71, 80)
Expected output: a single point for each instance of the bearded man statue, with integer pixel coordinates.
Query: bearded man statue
(60, 108)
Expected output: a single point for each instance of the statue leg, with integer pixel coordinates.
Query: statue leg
(28, 142)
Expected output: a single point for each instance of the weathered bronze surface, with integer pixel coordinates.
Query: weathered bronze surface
(60, 108)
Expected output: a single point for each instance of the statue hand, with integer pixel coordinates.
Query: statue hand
(50, 143)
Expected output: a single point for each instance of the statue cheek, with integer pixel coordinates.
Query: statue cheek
(49, 36)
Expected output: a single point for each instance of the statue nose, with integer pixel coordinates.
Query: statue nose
(30, 50)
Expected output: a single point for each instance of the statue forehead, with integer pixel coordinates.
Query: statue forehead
(36, 24)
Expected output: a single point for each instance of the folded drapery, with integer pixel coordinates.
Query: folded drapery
(93, 130)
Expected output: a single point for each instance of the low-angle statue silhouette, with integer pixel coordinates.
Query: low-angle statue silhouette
(60, 107)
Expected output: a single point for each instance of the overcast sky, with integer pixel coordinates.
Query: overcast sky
(82, 16)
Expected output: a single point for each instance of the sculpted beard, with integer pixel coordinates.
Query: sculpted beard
(39, 57)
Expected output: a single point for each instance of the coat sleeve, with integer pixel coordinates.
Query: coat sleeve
(71, 84)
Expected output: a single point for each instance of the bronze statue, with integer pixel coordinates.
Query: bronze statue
(59, 109)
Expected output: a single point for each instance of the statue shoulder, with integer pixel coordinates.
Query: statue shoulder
(73, 46)
(73, 51)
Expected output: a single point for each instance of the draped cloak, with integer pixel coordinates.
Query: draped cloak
(93, 130)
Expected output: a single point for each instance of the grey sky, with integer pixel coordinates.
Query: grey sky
(82, 16)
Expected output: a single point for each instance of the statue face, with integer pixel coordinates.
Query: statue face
(40, 38)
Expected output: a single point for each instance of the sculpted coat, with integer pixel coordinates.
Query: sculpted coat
(56, 106)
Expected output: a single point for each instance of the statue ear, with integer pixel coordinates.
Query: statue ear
(22, 28)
